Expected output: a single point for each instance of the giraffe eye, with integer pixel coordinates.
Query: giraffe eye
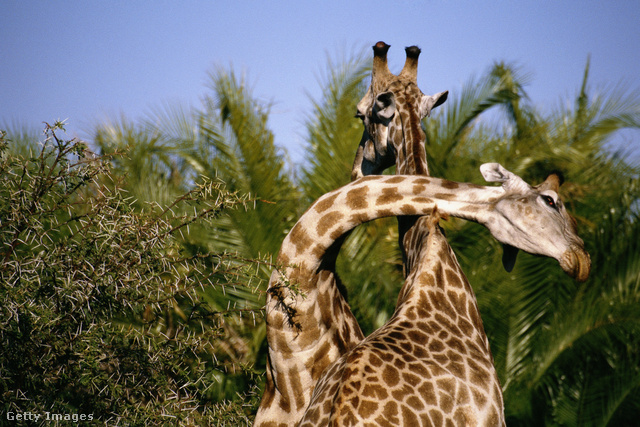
(549, 201)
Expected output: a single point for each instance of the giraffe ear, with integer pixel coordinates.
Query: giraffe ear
(428, 103)
(385, 105)
(509, 254)
(553, 182)
(495, 172)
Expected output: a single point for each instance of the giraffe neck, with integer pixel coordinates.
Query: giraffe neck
(438, 277)
(438, 289)
(415, 163)
(309, 324)
(312, 239)
(411, 157)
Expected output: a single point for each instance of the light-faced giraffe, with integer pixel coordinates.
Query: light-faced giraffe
(305, 330)
(432, 360)
(429, 365)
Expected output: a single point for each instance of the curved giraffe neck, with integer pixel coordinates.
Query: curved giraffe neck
(372, 197)
(309, 324)
(438, 273)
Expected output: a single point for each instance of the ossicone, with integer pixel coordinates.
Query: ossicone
(410, 69)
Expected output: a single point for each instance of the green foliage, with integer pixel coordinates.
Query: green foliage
(140, 298)
(566, 353)
(102, 308)
(228, 140)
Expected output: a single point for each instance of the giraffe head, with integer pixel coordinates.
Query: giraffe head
(391, 111)
(534, 219)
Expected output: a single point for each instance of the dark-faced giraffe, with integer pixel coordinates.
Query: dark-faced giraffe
(429, 365)
(398, 97)
(309, 325)
(391, 112)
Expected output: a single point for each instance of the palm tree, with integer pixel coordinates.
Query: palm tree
(566, 353)
(563, 351)
(540, 323)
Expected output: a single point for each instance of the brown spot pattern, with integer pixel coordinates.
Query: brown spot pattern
(395, 180)
(326, 203)
(408, 210)
(299, 238)
(388, 196)
(357, 198)
(450, 184)
(327, 222)
(419, 189)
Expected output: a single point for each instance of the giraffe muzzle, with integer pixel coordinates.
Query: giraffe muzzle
(576, 262)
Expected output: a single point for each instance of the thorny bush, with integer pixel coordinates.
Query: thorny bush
(102, 310)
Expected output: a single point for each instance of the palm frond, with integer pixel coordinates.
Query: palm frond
(242, 154)
(596, 117)
(333, 132)
(451, 125)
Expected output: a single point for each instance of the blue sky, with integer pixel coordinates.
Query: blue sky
(88, 60)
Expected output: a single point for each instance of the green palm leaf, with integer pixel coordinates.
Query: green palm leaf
(333, 131)
(451, 125)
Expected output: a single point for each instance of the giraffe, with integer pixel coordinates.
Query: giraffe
(309, 324)
(431, 362)
(429, 365)
(399, 98)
